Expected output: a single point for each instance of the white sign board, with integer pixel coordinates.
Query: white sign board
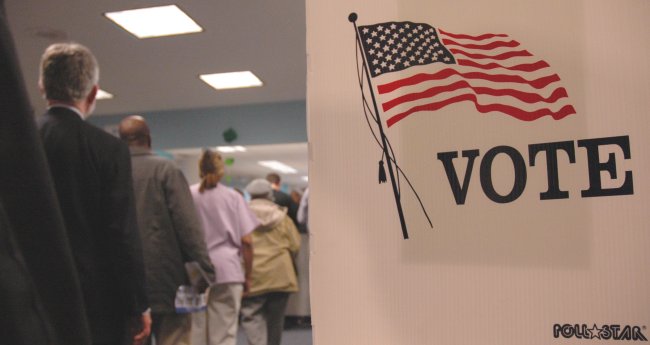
(514, 145)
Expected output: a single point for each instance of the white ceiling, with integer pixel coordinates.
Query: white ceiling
(266, 37)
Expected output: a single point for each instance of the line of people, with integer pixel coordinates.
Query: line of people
(260, 233)
(131, 222)
(268, 241)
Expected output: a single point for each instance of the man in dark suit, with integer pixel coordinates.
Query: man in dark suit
(92, 177)
(40, 297)
(281, 198)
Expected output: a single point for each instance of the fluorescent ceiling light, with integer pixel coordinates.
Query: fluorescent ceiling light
(230, 149)
(232, 80)
(278, 166)
(155, 21)
(101, 94)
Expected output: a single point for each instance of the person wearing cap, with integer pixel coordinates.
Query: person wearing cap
(276, 242)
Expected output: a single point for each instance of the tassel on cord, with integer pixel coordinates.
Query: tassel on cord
(382, 172)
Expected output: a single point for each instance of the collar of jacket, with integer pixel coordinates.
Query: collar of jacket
(55, 106)
(139, 151)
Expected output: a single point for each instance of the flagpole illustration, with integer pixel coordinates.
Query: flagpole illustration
(353, 19)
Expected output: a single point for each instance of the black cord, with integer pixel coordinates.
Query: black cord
(366, 110)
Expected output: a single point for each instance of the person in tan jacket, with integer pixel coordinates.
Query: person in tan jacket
(276, 242)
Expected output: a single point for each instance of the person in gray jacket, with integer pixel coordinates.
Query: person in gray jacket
(170, 230)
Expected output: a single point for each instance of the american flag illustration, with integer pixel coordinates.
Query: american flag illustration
(416, 67)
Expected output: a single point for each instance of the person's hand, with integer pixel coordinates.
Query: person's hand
(247, 286)
(202, 286)
(144, 329)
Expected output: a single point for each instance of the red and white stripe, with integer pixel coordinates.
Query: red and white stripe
(493, 71)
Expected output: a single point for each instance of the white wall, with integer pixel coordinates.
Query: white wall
(487, 272)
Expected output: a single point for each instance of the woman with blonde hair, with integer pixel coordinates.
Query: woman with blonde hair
(228, 224)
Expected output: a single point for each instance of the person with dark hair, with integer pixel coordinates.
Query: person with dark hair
(170, 230)
(281, 198)
(228, 223)
(276, 243)
(91, 170)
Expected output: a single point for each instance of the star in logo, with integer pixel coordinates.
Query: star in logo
(595, 332)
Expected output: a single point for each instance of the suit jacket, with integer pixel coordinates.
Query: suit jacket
(23, 320)
(91, 170)
(170, 228)
(40, 297)
(283, 199)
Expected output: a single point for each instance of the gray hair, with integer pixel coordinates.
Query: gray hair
(68, 72)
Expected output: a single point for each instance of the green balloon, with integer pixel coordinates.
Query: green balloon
(229, 135)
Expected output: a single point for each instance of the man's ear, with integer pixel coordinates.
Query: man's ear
(41, 88)
(92, 95)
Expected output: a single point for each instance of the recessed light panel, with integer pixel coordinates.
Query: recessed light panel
(232, 80)
(278, 166)
(155, 21)
(231, 149)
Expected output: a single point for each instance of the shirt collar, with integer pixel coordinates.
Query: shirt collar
(139, 150)
(69, 107)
